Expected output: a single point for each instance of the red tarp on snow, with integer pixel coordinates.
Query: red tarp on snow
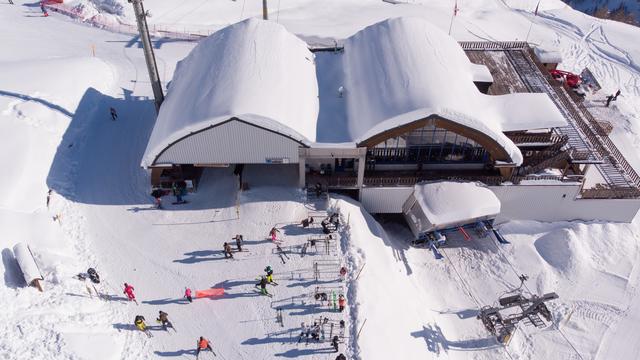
(209, 293)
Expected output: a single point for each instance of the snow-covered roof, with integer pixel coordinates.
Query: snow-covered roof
(395, 72)
(481, 73)
(254, 70)
(405, 69)
(445, 203)
(547, 56)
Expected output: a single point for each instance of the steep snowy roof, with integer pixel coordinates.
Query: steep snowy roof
(405, 69)
(446, 202)
(254, 70)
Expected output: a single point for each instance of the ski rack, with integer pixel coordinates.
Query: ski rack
(531, 308)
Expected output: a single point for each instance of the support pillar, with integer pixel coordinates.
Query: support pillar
(302, 181)
(265, 10)
(152, 67)
(361, 166)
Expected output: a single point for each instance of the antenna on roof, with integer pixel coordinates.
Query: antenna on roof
(152, 67)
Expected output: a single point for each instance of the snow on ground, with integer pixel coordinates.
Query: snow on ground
(430, 305)
(57, 133)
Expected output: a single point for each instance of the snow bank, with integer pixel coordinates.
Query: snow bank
(254, 70)
(40, 99)
(405, 69)
(547, 55)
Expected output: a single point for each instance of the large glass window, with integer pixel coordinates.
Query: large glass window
(428, 144)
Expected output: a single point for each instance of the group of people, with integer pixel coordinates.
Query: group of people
(226, 247)
(163, 318)
(178, 188)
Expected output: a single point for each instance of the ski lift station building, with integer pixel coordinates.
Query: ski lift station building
(397, 104)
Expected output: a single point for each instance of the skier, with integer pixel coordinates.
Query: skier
(128, 290)
(269, 272)
(157, 195)
(609, 98)
(227, 251)
(322, 297)
(263, 286)
(177, 192)
(163, 318)
(44, 11)
(306, 222)
(315, 331)
(114, 114)
(615, 97)
(203, 344)
(341, 357)
(139, 323)
(318, 189)
(273, 234)
(334, 342)
(305, 331)
(238, 239)
(187, 294)
(343, 273)
(341, 302)
(93, 275)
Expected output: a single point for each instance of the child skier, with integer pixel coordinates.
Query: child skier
(263, 286)
(343, 273)
(128, 290)
(187, 294)
(139, 323)
(269, 272)
(227, 251)
(163, 318)
(238, 239)
(203, 344)
(341, 302)
(334, 342)
(274, 234)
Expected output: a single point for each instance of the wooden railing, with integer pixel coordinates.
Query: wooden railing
(610, 193)
(492, 45)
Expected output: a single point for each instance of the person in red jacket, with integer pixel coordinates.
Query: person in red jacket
(341, 302)
(128, 290)
(203, 344)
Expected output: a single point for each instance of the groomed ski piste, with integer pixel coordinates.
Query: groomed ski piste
(58, 79)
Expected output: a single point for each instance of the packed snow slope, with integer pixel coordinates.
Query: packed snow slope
(56, 133)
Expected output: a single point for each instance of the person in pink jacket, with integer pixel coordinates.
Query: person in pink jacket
(187, 294)
(128, 290)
